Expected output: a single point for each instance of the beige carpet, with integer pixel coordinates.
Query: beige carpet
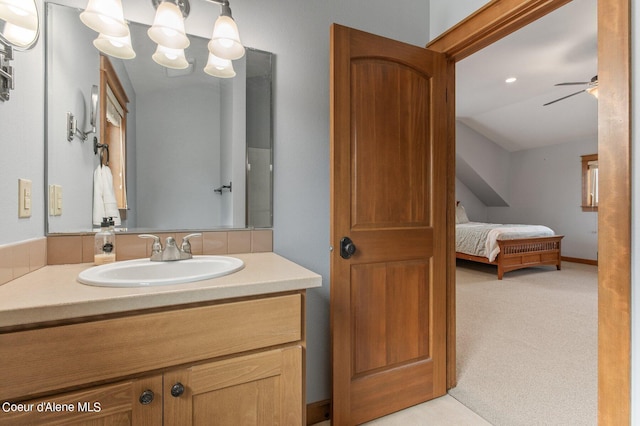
(527, 345)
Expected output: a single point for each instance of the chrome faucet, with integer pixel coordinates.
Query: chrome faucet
(170, 251)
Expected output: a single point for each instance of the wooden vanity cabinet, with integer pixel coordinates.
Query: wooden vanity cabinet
(259, 389)
(232, 363)
(113, 404)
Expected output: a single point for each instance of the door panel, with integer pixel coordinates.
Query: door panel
(399, 172)
(388, 194)
(384, 335)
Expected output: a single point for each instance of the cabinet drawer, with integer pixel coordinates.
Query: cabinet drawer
(43, 360)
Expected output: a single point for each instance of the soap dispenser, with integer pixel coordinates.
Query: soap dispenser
(104, 250)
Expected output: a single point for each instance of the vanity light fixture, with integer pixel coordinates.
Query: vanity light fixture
(170, 58)
(118, 47)
(167, 31)
(19, 30)
(105, 17)
(168, 25)
(219, 67)
(225, 41)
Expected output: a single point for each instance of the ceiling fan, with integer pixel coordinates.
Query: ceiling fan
(592, 88)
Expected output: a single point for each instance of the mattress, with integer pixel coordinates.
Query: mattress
(480, 239)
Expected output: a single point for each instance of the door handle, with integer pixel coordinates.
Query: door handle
(347, 248)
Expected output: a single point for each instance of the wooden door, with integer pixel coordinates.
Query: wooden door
(388, 195)
(260, 389)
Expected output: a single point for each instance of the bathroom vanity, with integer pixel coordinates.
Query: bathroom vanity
(230, 348)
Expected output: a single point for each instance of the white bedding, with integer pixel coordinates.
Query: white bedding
(480, 239)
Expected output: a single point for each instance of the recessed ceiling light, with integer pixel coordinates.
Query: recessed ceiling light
(510, 80)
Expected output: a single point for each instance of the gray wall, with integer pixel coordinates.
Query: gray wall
(542, 186)
(71, 81)
(546, 189)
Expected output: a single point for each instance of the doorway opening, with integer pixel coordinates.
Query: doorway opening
(614, 150)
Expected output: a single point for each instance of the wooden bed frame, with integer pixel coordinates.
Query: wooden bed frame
(523, 253)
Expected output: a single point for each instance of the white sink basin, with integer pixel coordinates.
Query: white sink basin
(143, 272)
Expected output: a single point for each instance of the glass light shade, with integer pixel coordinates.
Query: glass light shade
(225, 41)
(118, 47)
(170, 58)
(21, 13)
(19, 36)
(593, 91)
(219, 67)
(105, 17)
(168, 27)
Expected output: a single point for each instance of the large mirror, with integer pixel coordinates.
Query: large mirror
(198, 148)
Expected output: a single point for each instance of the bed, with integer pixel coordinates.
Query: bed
(509, 247)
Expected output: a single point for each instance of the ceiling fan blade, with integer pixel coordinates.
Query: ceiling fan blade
(564, 97)
(572, 83)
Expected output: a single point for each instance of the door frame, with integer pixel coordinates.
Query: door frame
(496, 20)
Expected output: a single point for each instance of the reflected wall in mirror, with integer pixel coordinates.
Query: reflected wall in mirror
(187, 134)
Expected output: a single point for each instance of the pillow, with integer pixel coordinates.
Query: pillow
(461, 214)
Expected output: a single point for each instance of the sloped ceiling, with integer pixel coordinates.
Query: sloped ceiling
(560, 47)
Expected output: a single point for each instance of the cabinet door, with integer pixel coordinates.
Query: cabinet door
(135, 402)
(258, 389)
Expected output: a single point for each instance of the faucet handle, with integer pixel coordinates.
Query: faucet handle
(186, 245)
(156, 247)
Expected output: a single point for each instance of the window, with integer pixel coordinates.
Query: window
(590, 183)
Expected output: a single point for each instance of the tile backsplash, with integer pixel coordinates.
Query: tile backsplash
(19, 259)
(63, 249)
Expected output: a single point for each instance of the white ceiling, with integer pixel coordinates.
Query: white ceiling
(560, 47)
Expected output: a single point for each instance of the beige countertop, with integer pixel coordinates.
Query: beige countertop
(52, 293)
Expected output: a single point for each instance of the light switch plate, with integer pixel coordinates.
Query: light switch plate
(55, 200)
(24, 198)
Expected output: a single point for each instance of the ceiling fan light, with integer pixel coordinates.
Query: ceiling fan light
(118, 47)
(21, 13)
(105, 17)
(219, 67)
(593, 91)
(168, 27)
(170, 58)
(225, 41)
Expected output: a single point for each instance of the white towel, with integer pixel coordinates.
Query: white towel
(104, 199)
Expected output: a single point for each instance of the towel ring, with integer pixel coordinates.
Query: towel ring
(102, 148)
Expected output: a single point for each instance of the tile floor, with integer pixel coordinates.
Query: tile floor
(443, 411)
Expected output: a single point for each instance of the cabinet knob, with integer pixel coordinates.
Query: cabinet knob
(146, 397)
(177, 390)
